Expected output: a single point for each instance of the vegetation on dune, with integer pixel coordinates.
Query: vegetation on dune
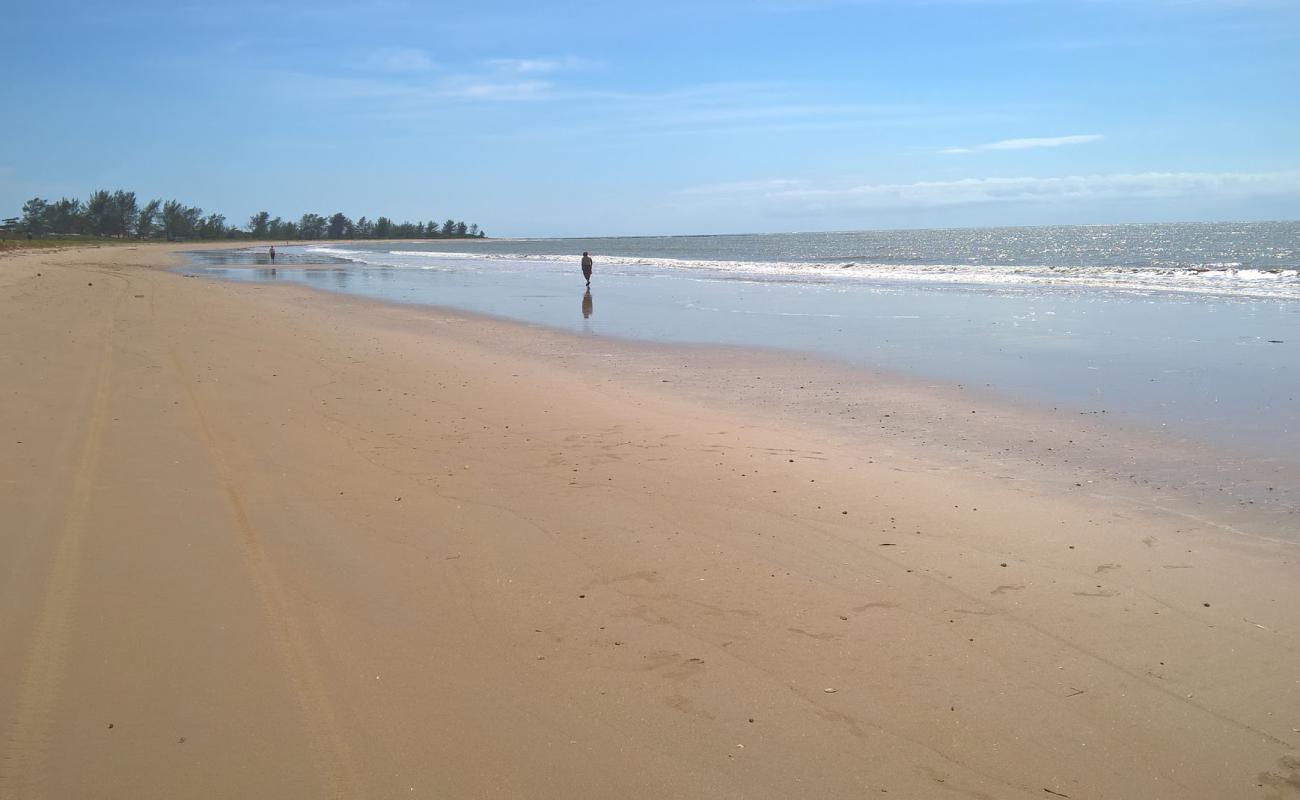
(120, 215)
(8, 245)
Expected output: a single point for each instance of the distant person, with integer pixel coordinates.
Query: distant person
(586, 267)
(586, 305)
(273, 253)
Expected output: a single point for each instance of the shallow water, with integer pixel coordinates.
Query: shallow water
(1253, 260)
(1220, 368)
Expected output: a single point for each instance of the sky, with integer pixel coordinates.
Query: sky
(672, 117)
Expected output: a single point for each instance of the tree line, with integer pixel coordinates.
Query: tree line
(121, 214)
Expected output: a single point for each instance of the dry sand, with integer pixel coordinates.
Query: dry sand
(263, 542)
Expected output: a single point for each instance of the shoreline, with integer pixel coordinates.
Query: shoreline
(1104, 455)
(1212, 370)
(429, 553)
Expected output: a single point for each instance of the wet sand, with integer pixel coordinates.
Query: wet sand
(266, 541)
(1220, 370)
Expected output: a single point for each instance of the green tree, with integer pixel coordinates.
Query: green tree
(35, 214)
(339, 226)
(119, 213)
(173, 219)
(179, 220)
(193, 217)
(99, 213)
(258, 224)
(213, 226)
(64, 216)
(147, 219)
(311, 226)
(122, 211)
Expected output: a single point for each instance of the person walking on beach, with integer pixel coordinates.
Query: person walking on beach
(272, 253)
(586, 267)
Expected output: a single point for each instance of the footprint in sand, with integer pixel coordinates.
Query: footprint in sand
(649, 576)
(659, 658)
(811, 635)
(1007, 587)
(683, 704)
(878, 604)
(1285, 777)
(681, 668)
(685, 669)
(1105, 568)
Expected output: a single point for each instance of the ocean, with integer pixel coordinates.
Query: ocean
(1189, 329)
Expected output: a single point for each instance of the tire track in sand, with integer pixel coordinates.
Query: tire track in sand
(27, 739)
(332, 757)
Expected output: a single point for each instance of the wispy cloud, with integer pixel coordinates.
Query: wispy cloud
(403, 79)
(536, 66)
(472, 88)
(407, 94)
(807, 197)
(1027, 144)
(731, 107)
(508, 79)
(745, 187)
(699, 109)
(399, 59)
(1090, 43)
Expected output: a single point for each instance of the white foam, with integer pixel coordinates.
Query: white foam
(1225, 279)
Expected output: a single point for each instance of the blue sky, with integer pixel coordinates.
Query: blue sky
(590, 118)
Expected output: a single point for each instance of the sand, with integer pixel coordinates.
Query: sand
(266, 542)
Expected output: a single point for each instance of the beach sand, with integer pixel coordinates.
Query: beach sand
(267, 542)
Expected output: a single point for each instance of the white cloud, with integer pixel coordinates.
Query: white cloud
(771, 184)
(399, 59)
(1092, 43)
(806, 197)
(394, 95)
(300, 86)
(471, 89)
(1027, 144)
(408, 87)
(535, 66)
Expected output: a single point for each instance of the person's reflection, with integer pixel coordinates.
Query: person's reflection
(586, 305)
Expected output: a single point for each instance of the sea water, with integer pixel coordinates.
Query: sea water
(1190, 328)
